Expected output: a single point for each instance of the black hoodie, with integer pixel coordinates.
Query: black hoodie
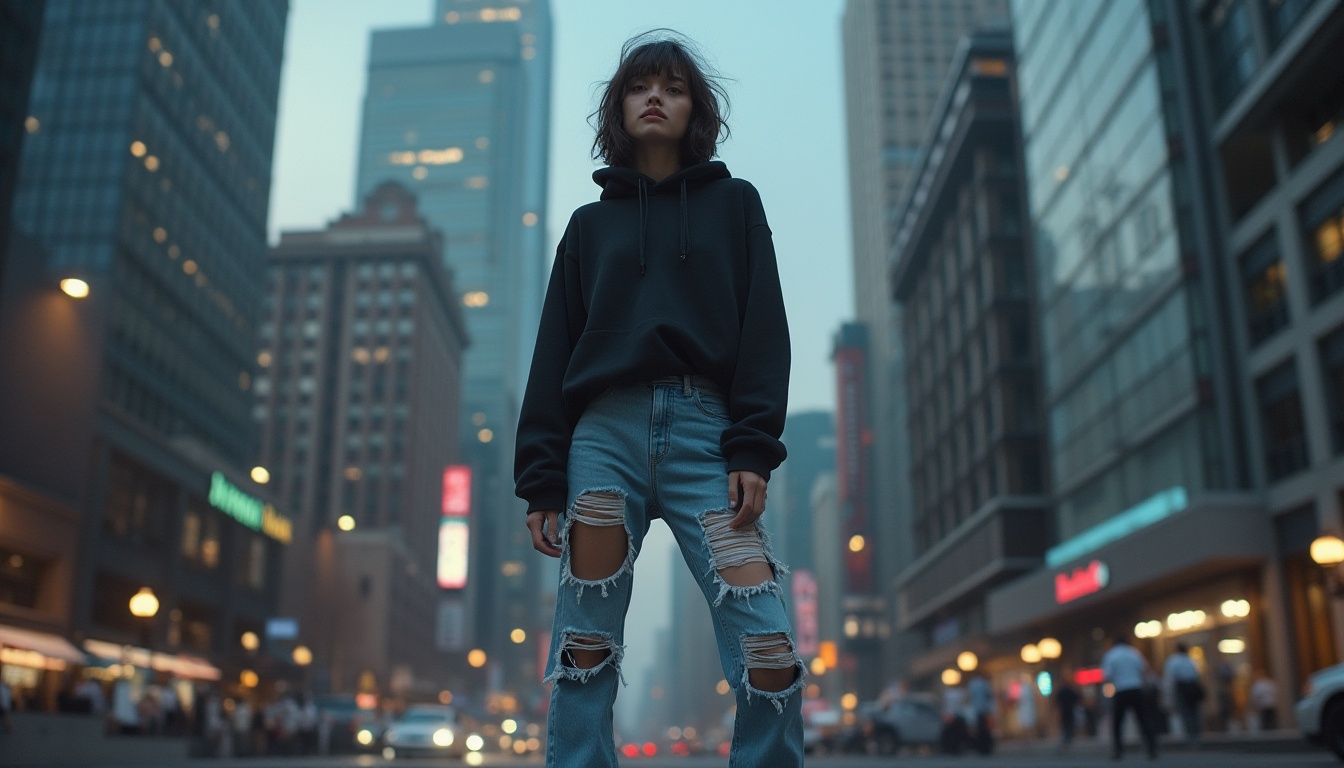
(658, 279)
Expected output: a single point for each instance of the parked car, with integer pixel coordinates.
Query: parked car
(430, 729)
(821, 726)
(905, 722)
(353, 728)
(1320, 713)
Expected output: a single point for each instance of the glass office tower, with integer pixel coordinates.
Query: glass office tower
(146, 172)
(458, 113)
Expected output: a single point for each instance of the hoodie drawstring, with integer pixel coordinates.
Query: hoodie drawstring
(685, 232)
(643, 220)
(685, 224)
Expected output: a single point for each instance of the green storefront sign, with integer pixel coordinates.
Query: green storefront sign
(248, 510)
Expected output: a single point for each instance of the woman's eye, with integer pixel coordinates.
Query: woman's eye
(674, 89)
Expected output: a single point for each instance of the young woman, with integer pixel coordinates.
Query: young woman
(658, 389)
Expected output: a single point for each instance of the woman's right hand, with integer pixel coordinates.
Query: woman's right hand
(545, 528)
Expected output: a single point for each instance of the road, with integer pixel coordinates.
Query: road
(1089, 759)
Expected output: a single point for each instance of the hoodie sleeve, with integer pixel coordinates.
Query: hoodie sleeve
(760, 387)
(541, 455)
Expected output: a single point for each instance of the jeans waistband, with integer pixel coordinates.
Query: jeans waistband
(689, 381)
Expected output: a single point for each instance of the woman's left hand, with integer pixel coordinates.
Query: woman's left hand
(746, 494)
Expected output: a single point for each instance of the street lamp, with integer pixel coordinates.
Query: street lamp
(1328, 552)
(1050, 648)
(75, 288)
(1031, 653)
(144, 606)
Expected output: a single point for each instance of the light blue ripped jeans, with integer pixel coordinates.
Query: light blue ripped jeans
(639, 452)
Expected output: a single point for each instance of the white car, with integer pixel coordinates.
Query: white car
(425, 729)
(1320, 713)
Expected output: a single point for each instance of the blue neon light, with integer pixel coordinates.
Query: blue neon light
(1156, 507)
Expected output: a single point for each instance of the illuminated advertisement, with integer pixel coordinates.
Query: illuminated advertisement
(853, 442)
(454, 528)
(806, 629)
(457, 491)
(1082, 582)
(453, 538)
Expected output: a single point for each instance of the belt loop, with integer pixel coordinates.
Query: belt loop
(686, 384)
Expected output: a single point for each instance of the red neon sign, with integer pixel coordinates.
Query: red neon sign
(1084, 580)
(1089, 676)
(457, 491)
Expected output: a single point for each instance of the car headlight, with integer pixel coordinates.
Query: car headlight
(475, 743)
(365, 737)
(443, 737)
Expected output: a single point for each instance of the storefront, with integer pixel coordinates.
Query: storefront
(1194, 576)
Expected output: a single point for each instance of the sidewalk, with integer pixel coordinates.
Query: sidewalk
(1266, 741)
(46, 739)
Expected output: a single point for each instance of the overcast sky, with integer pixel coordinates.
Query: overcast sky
(787, 139)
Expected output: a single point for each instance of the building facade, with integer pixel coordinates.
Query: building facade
(1180, 160)
(145, 172)
(20, 29)
(896, 57)
(961, 272)
(360, 362)
(457, 112)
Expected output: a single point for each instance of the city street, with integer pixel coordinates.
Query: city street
(1087, 759)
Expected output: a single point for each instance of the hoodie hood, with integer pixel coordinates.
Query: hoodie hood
(619, 182)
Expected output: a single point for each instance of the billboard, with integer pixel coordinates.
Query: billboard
(453, 539)
(457, 491)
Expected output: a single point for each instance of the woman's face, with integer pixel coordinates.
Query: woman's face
(656, 109)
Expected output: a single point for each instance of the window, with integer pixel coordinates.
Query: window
(1265, 289)
(1323, 221)
(1281, 15)
(1332, 366)
(1285, 438)
(1231, 55)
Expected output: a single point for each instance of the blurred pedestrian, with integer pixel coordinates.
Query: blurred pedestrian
(658, 388)
(90, 693)
(6, 705)
(982, 710)
(1224, 676)
(1182, 688)
(1265, 700)
(1067, 702)
(1127, 670)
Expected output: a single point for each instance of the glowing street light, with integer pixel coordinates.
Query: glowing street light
(250, 641)
(302, 656)
(967, 661)
(261, 475)
(75, 288)
(144, 604)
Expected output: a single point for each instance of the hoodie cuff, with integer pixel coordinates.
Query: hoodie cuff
(750, 463)
(548, 502)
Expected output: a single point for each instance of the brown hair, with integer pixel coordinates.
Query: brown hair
(662, 52)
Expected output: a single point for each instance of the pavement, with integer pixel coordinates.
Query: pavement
(69, 740)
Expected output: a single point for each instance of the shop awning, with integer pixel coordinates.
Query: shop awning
(181, 665)
(45, 643)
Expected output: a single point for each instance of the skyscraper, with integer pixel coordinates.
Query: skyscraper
(981, 514)
(1183, 171)
(897, 53)
(358, 393)
(457, 112)
(145, 173)
(20, 28)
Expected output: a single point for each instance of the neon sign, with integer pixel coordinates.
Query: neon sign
(1083, 581)
(249, 510)
(452, 565)
(457, 490)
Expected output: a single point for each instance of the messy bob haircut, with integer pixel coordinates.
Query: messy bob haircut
(662, 52)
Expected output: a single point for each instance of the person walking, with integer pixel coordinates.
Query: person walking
(1182, 687)
(1265, 701)
(658, 389)
(1067, 701)
(1126, 669)
(982, 709)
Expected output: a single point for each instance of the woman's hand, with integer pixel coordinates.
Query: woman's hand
(746, 494)
(545, 528)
